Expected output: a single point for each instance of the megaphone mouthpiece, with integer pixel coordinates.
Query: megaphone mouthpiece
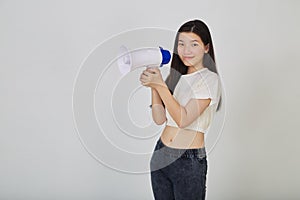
(166, 56)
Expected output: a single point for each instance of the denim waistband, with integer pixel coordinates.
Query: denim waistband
(185, 153)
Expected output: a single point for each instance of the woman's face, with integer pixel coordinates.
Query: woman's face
(191, 49)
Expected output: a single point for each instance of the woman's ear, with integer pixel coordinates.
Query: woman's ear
(206, 48)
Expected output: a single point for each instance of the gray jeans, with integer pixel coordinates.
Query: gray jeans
(178, 174)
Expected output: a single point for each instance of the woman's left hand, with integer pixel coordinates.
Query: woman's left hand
(151, 77)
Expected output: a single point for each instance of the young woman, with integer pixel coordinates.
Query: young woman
(187, 102)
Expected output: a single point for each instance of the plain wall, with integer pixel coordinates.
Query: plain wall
(43, 45)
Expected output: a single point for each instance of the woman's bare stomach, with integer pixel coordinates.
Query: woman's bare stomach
(181, 138)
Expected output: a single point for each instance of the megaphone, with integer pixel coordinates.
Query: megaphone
(143, 57)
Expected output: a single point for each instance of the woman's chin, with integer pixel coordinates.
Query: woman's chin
(188, 64)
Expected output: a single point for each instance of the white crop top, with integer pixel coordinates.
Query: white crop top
(202, 84)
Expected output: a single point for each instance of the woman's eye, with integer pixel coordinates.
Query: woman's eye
(180, 44)
(195, 44)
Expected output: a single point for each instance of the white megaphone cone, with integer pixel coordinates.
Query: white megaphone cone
(144, 57)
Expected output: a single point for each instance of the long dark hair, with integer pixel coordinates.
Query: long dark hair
(178, 68)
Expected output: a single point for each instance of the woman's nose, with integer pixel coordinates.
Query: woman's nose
(187, 50)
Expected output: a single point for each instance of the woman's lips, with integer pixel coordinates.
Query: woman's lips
(187, 57)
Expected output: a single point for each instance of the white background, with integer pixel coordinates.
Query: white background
(43, 43)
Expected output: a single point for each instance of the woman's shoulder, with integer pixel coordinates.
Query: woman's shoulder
(208, 75)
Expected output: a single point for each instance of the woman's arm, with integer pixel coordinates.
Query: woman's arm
(182, 115)
(158, 110)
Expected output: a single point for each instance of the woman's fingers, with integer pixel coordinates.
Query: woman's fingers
(153, 70)
(147, 73)
(144, 79)
(150, 77)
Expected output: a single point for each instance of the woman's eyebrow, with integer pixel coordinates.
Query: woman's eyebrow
(190, 41)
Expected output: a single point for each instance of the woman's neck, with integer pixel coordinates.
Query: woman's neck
(192, 69)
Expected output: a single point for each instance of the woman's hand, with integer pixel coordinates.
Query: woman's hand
(151, 77)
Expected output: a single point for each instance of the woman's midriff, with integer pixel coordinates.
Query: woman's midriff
(182, 138)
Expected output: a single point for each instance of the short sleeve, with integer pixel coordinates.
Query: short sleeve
(207, 88)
